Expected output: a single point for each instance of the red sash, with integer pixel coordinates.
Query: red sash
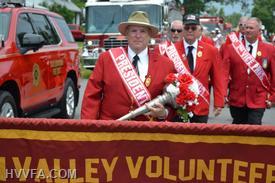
(129, 76)
(249, 60)
(173, 54)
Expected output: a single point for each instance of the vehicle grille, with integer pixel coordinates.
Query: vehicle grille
(112, 43)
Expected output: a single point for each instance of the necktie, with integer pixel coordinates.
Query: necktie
(250, 48)
(190, 58)
(250, 51)
(135, 62)
(242, 37)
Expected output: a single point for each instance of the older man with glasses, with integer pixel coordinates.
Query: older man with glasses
(175, 32)
(174, 35)
(242, 28)
(202, 61)
(240, 33)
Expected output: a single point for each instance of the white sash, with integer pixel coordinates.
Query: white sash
(173, 54)
(249, 60)
(162, 47)
(129, 76)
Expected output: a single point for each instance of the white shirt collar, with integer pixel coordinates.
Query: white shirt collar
(195, 44)
(253, 44)
(142, 54)
(143, 62)
(255, 47)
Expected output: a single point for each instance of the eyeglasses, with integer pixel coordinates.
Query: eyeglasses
(242, 25)
(178, 30)
(192, 27)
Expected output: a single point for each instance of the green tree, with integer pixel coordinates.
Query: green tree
(211, 10)
(79, 3)
(62, 10)
(263, 9)
(233, 19)
(194, 6)
(197, 6)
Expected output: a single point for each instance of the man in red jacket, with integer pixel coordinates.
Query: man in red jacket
(126, 78)
(240, 33)
(251, 67)
(202, 61)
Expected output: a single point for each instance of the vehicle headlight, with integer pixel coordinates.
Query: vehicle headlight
(90, 43)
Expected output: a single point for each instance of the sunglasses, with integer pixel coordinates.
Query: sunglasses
(178, 30)
(242, 25)
(192, 27)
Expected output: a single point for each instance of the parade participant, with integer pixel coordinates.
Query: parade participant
(202, 61)
(239, 33)
(175, 31)
(125, 78)
(242, 28)
(175, 34)
(251, 68)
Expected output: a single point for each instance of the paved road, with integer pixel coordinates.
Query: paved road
(269, 116)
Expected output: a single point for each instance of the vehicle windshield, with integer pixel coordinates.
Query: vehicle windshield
(72, 27)
(154, 12)
(105, 19)
(4, 25)
(210, 27)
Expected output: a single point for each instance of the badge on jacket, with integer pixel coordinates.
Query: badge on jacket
(147, 81)
(199, 53)
(259, 53)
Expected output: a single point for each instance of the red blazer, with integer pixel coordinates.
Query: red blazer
(244, 89)
(106, 96)
(228, 42)
(207, 65)
(208, 40)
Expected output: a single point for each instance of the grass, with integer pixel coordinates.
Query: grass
(85, 73)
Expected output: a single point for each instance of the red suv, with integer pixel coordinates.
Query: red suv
(39, 63)
(76, 31)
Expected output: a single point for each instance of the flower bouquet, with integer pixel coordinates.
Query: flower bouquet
(181, 92)
(187, 97)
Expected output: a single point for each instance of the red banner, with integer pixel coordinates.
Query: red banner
(63, 151)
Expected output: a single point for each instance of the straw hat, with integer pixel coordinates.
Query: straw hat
(139, 18)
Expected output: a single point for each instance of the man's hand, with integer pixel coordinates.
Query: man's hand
(268, 104)
(217, 111)
(157, 111)
(226, 101)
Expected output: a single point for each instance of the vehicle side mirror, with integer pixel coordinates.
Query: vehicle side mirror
(32, 42)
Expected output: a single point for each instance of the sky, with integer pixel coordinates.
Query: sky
(230, 9)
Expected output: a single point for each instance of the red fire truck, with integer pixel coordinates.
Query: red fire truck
(102, 19)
